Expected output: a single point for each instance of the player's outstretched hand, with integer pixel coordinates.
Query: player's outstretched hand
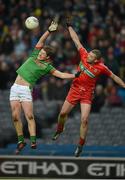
(53, 26)
(68, 21)
(77, 74)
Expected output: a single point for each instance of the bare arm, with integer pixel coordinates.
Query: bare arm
(63, 75)
(75, 38)
(52, 28)
(42, 39)
(118, 80)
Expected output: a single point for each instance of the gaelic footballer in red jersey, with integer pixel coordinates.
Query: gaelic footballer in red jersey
(82, 88)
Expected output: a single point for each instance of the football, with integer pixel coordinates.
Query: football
(31, 22)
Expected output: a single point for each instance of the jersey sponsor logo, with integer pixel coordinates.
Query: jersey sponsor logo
(89, 73)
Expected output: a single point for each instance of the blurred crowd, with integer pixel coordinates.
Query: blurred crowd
(99, 23)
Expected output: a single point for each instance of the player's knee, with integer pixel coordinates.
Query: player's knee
(84, 121)
(29, 116)
(15, 117)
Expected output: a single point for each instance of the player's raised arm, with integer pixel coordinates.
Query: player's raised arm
(118, 80)
(75, 38)
(62, 75)
(73, 35)
(53, 27)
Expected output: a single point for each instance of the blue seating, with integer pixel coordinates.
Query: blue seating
(67, 150)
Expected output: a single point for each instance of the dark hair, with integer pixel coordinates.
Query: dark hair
(97, 53)
(50, 51)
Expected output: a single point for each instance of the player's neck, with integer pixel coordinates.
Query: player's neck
(92, 63)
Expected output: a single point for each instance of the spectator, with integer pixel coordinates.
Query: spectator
(97, 22)
(7, 46)
(99, 99)
(114, 100)
(4, 75)
(121, 93)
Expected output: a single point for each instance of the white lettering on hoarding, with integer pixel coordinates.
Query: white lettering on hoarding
(74, 167)
(65, 168)
(104, 169)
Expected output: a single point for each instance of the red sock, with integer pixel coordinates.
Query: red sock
(60, 127)
(81, 141)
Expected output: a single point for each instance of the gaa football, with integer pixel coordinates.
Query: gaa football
(31, 22)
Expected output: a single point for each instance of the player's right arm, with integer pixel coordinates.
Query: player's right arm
(82, 51)
(75, 38)
(52, 28)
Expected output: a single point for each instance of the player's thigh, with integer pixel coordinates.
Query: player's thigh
(28, 109)
(15, 108)
(66, 108)
(85, 110)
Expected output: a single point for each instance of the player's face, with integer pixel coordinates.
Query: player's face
(91, 57)
(42, 54)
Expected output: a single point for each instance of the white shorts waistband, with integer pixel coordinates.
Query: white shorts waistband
(21, 86)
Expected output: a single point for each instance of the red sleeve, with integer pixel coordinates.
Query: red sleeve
(83, 54)
(106, 71)
(83, 51)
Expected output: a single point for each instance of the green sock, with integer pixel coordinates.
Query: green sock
(21, 138)
(33, 138)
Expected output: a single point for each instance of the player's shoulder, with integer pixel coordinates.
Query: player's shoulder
(35, 51)
(105, 70)
(101, 64)
(83, 50)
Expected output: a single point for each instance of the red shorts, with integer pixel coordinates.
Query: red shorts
(81, 95)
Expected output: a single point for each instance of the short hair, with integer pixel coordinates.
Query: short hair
(97, 53)
(50, 51)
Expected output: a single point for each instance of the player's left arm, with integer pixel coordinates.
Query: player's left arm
(118, 80)
(106, 71)
(63, 75)
(53, 27)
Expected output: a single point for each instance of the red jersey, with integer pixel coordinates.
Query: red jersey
(90, 73)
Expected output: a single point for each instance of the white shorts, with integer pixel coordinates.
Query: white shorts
(20, 93)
